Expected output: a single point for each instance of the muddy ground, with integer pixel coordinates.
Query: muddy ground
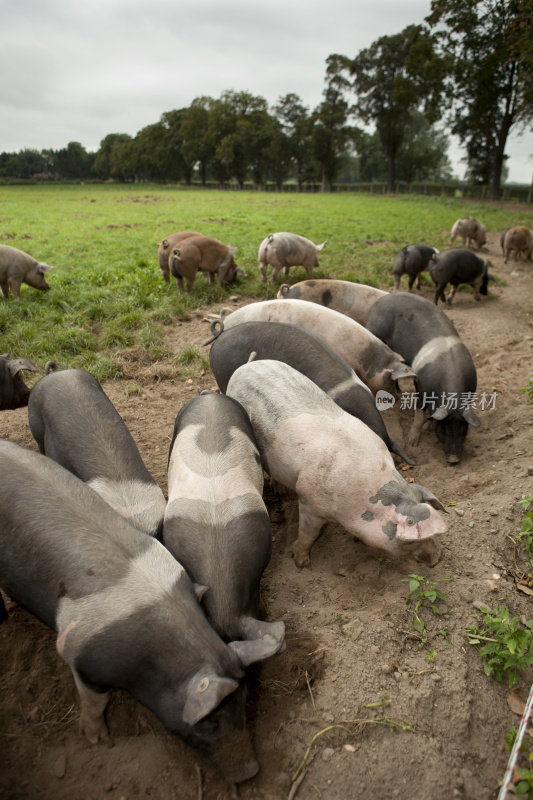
(385, 714)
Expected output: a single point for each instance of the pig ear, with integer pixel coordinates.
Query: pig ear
(164, 243)
(199, 591)
(319, 247)
(204, 693)
(428, 497)
(440, 414)
(16, 364)
(231, 249)
(283, 290)
(471, 417)
(42, 268)
(252, 650)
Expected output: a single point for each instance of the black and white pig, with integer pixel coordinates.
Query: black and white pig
(216, 523)
(374, 362)
(447, 377)
(125, 612)
(307, 353)
(352, 299)
(412, 259)
(340, 470)
(74, 422)
(458, 266)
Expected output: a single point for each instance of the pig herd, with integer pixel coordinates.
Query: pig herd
(160, 597)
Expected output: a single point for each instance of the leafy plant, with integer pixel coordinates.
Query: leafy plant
(523, 777)
(506, 646)
(424, 594)
(528, 389)
(525, 537)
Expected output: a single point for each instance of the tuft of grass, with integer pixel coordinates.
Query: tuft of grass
(505, 646)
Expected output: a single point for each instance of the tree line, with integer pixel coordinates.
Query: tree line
(384, 115)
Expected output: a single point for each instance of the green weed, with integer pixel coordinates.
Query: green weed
(523, 777)
(505, 646)
(424, 594)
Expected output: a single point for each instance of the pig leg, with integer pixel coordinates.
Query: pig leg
(190, 282)
(413, 438)
(476, 287)
(411, 281)
(397, 279)
(439, 293)
(263, 268)
(5, 289)
(92, 722)
(179, 284)
(451, 295)
(15, 287)
(309, 527)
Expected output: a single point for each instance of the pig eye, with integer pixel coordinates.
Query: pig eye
(410, 521)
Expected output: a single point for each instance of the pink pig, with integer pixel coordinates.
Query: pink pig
(340, 469)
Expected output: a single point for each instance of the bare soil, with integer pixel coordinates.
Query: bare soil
(384, 715)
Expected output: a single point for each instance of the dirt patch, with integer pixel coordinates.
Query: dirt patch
(389, 718)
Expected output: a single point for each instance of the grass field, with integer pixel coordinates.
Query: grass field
(107, 289)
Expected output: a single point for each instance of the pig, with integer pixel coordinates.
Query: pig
(13, 391)
(75, 423)
(216, 523)
(340, 470)
(352, 299)
(17, 267)
(205, 254)
(412, 259)
(125, 611)
(164, 249)
(447, 378)
(502, 239)
(458, 266)
(374, 363)
(309, 354)
(283, 250)
(520, 241)
(470, 230)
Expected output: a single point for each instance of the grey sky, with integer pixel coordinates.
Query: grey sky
(80, 70)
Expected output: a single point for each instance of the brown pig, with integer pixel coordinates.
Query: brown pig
(17, 267)
(164, 249)
(519, 240)
(205, 254)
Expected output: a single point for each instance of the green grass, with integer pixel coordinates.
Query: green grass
(107, 290)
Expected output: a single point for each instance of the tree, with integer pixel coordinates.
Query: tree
(491, 77)
(197, 147)
(396, 76)
(72, 162)
(297, 128)
(331, 133)
(111, 160)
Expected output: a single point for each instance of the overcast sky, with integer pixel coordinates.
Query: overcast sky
(76, 71)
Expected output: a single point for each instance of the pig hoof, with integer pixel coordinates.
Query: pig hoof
(413, 440)
(301, 558)
(94, 732)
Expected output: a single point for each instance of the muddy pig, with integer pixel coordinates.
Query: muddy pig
(341, 471)
(164, 249)
(307, 353)
(13, 391)
(17, 267)
(216, 523)
(458, 266)
(74, 422)
(352, 299)
(447, 377)
(283, 250)
(373, 361)
(125, 611)
(205, 254)
(520, 241)
(470, 230)
(412, 259)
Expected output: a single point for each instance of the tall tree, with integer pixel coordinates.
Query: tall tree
(394, 77)
(197, 148)
(111, 160)
(297, 127)
(492, 76)
(73, 161)
(331, 133)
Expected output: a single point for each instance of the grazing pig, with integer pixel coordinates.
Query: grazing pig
(125, 611)
(216, 523)
(284, 250)
(458, 266)
(447, 379)
(13, 391)
(412, 259)
(520, 241)
(373, 362)
(205, 254)
(352, 299)
(164, 249)
(341, 471)
(307, 353)
(74, 422)
(502, 239)
(470, 230)
(17, 267)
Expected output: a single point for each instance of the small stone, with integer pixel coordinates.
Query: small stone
(479, 604)
(349, 748)
(530, 470)
(470, 524)
(60, 766)
(397, 676)
(460, 512)
(327, 753)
